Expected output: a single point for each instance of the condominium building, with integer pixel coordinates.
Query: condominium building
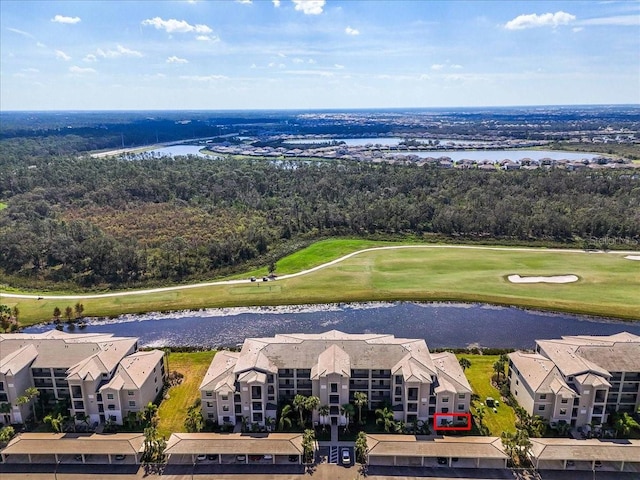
(104, 377)
(333, 366)
(578, 379)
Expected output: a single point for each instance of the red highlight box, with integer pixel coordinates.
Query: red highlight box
(450, 428)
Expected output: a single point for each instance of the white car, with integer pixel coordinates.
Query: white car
(346, 456)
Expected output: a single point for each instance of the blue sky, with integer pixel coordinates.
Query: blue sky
(297, 54)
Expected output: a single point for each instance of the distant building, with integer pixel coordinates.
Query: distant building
(333, 366)
(578, 379)
(104, 377)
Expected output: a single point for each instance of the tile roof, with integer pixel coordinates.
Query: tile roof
(66, 443)
(412, 446)
(235, 443)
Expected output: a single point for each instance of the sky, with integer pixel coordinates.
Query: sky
(316, 54)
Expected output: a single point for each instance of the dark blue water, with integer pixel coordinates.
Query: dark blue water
(440, 324)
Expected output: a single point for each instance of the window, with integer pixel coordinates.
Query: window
(208, 394)
(563, 411)
(540, 408)
(445, 399)
(257, 417)
(111, 406)
(132, 403)
(256, 392)
(543, 396)
(256, 405)
(445, 410)
(109, 396)
(225, 408)
(1, 385)
(210, 415)
(113, 418)
(209, 404)
(334, 398)
(334, 388)
(224, 397)
(461, 406)
(461, 396)
(131, 393)
(564, 400)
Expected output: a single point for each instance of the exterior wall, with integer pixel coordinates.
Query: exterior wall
(14, 387)
(112, 405)
(520, 390)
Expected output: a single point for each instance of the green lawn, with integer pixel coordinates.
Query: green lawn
(479, 376)
(608, 283)
(3, 205)
(173, 411)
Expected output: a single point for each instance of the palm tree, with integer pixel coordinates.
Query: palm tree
(149, 414)
(360, 399)
(323, 411)
(623, 424)
(56, 422)
(285, 421)
(362, 448)
(194, 421)
(28, 395)
(385, 418)
(498, 367)
(348, 411)
(311, 403)
(464, 363)
(299, 403)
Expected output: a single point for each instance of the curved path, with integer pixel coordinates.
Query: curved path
(298, 274)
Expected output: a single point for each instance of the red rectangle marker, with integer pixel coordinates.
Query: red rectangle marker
(449, 418)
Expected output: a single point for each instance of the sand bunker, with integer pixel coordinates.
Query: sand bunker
(632, 257)
(554, 279)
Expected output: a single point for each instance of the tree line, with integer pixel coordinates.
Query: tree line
(78, 221)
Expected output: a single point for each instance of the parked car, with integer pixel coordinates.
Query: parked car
(293, 458)
(442, 461)
(346, 456)
(241, 458)
(253, 279)
(598, 463)
(267, 457)
(201, 457)
(213, 457)
(119, 457)
(255, 458)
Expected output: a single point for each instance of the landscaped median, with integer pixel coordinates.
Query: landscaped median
(607, 282)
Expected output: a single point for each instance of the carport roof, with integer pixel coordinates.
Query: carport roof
(411, 446)
(585, 450)
(67, 444)
(235, 443)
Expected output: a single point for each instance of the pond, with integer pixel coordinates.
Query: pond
(454, 325)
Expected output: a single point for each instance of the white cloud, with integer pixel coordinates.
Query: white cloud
(545, 20)
(202, 78)
(338, 66)
(120, 51)
(319, 73)
(621, 20)
(297, 60)
(60, 55)
(437, 67)
(90, 58)
(276, 3)
(577, 29)
(311, 61)
(63, 19)
(245, 2)
(176, 26)
(309, 7)
(456, 66)
(174, 59)
(40, 44)
(31, 70)
(81, 70)
(351, 31)
(207, 38)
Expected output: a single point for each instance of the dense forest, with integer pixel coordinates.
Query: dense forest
(72, 220)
